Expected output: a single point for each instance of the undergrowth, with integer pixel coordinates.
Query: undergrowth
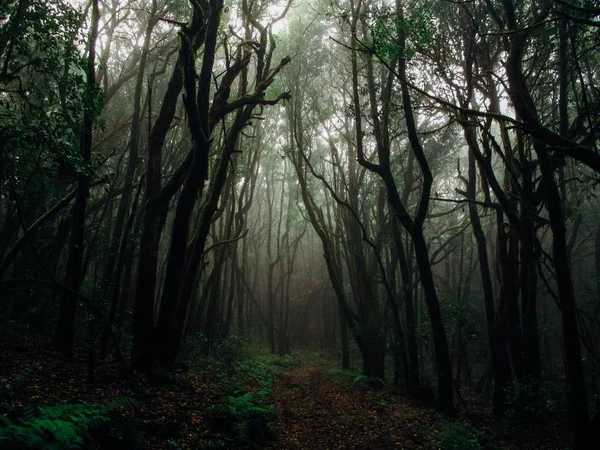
(343, 374)
(458, 436)
(243, 418)
(67, 426)
(357, 379)
(245, 374)
(538, 401)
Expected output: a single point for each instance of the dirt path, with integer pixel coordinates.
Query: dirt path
(318, 411)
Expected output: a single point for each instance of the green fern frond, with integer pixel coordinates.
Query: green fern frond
(65, 426)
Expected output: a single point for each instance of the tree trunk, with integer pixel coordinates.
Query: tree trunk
(574, 368)
(68, 307)
(440, 342)
(344, 341)
(155, 212)
(134, 144)
(526, 109)
(412, 383)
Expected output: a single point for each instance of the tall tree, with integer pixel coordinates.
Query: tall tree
(75, 273)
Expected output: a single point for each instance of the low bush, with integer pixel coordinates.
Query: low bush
(458, 436)
(365, 382)
(67, 426)
(343, 374)
(246, 415)
(243, 418)
(540, 401)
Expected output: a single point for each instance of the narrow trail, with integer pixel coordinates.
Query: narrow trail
(317, 410)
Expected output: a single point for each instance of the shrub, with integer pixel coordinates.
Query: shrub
(343, 374)
(65, 426)
(458, 436)
(541, 401)
(243, 418)
(365, 382)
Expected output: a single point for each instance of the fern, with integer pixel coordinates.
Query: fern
(371, 382)
(244, 418)
(458, 436)
(65, 426)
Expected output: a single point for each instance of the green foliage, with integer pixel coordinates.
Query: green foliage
(244, 374)
(537, 400)
(458, 436)
(44, 96)
(417, 25)
(244, 418)
(344, 375)
(65, 426)
(217, 443)
(6, 394)
(357, 379)
(235, 366)
(230, 350)
(364, 381)
(463, 315)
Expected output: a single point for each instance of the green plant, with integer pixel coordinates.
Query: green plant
(67, 426)
(285, 361)
(228, 350)
(343, 374)
(458, 436)
(536, 400)
(364, 381)
(6, 394)
(244, 418)
(217, 443)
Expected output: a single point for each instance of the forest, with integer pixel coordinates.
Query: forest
(299, 224)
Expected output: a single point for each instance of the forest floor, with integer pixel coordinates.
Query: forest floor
(323, 408)
(238, 398)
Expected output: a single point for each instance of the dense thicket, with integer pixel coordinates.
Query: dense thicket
(410, 182)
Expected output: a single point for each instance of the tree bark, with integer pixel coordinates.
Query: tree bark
(526, 109)
(134, 144)
(68, 307)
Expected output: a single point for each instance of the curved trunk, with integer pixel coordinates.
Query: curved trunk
(75, 271)
(409, 308)
(440, 342)
(496, 336)
(574, 368)
(110, 274)
(526, 109)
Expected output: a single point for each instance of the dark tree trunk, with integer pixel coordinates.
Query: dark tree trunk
(373, 350)
(196, 101)
(344, 341)
(440, 342)
(155, 212)
(526, 109)
(574, 368)
(496, 336)
(68, 307)
(510, 277)
(531, 351)
(414, 227)
(527, 238)
(597, 258)
(499, 334)
(134, 143)
(117, 296)
(157, 203)
(412, 383)
(176, 316)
